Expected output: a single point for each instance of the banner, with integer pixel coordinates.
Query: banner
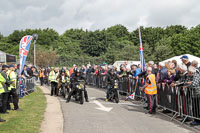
(23, 52)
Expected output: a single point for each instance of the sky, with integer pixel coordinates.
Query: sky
(96, 14)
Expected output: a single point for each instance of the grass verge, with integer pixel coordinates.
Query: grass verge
(28, 120)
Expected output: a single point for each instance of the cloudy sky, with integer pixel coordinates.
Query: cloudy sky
(96, 14)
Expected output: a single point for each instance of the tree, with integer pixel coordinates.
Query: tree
(163, 50)
(94, 43)
(44, 57)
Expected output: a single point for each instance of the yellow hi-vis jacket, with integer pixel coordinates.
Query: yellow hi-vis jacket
(151, 89)
(2, 81)
(53, 76)
(12, 77)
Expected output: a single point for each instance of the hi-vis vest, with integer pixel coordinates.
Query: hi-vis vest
(12, 77)
(67, 72)
(2, 81)
(151, 89)
(42, 74)
(53, 76)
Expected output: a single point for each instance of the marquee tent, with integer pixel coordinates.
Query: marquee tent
(177, 58)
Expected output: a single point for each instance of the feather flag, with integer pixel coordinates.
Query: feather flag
(23, 52)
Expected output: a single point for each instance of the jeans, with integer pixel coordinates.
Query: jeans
(108, 90)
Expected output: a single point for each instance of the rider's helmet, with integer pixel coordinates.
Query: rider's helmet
(62, 71)
(111, 71)
(78, 71)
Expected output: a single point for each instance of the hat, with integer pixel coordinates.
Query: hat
(11, 65)
(184, 57)
(4, 66)
(161, 64)
(151, 62)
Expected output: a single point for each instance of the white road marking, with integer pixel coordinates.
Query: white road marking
(92, 98)
(130, 104)
(101, 107)
(108, 103)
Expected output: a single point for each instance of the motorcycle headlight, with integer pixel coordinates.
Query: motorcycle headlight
(81, 86)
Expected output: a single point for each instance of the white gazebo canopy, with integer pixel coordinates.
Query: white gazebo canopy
(177, 58)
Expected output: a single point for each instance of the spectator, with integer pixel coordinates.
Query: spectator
(185, 60)
(155, 69)
(72, 69)
(195, 85)
(182, 76)
(122, 72)
(163, 72)
(42, 76)
(194, 63)
(171, 76)
(175, 63)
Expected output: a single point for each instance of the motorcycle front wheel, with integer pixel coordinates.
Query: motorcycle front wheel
(117, 96)
(81, 97)
(64, 92)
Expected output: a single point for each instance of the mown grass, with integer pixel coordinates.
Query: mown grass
(28, 120)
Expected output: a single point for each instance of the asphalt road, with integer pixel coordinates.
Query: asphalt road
(99, 116)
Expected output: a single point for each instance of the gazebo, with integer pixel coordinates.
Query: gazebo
(7, 58)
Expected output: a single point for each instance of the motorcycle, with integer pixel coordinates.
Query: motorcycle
(64, 89)
(114, 92)
(79, 93)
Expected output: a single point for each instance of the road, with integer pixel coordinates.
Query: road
(99, 116)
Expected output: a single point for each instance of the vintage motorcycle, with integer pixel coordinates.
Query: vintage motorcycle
(114, 92)
(79, 93)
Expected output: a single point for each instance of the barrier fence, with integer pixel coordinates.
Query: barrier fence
(182, 101)
(28, 85)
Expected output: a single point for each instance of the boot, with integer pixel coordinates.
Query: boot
(2, 120)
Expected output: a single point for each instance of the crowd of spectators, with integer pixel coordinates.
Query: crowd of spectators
(171, 74)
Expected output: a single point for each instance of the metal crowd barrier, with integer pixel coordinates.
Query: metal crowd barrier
(181, 101)
(126, 85)
(184, 102)
(28, 85)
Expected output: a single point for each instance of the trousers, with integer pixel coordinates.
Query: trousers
(151, 100)
(54, 88)
(13, 96)
(4, 101)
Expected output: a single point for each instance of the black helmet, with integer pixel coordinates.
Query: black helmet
(62, 70)
(75, 70)
(111, 71)
(78, 70)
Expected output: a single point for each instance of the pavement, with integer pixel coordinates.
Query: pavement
(53, 117)
(99, 116)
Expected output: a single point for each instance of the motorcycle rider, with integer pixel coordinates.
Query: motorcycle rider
(111, 77)
(75, 77)
(60, 78)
